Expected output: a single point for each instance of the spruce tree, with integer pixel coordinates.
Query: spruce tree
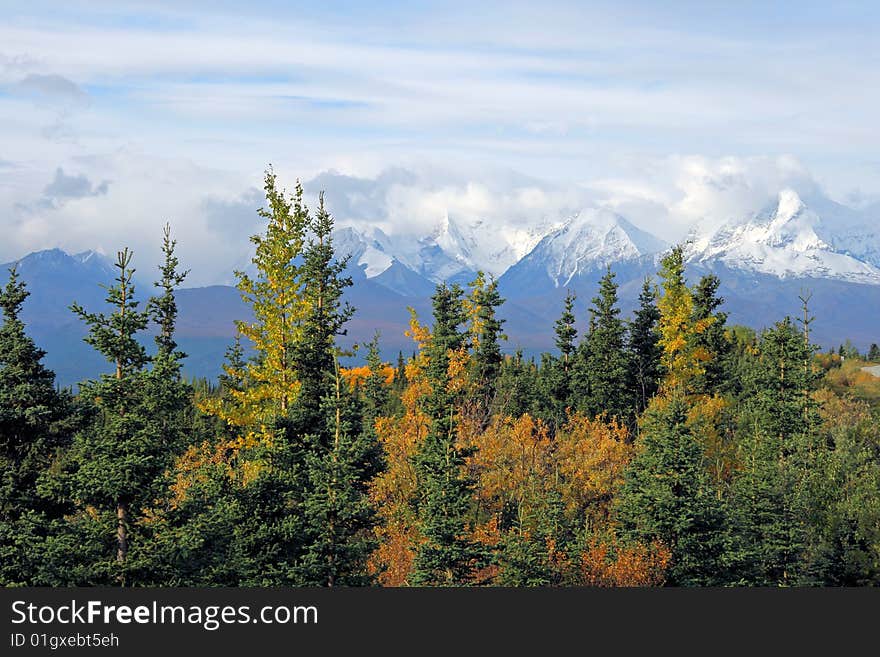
(167, 398)
(325, 314)
(340, 457)
(580, 375)
(715, 377)
(565, 330)
(667, 495)
(339, 516)
(519, 388)
(606, 358)
(30, 438)
(644, 349)
(485, 334)
(778, 488)
(446, 556)
(376, 393)
(120, 456)
(168, 395)
(555, 372)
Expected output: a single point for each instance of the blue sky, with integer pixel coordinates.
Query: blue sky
(171, 110)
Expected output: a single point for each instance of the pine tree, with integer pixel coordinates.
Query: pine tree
(30, 438)
(606, 359)
(874, 353)
(325, 314)
(775, 493)
(485, 334)
(712, 342)
(644, 349)
(447, 556)
(667, 496)
(119, 457)
(565, 330)
(376, 392)
(339, 516)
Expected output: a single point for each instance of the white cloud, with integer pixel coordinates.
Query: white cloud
(668, 196)
(428, 111)
(213, 212)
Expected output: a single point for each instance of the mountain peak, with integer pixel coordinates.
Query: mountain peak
(788, 239)
(789, 204)
(590, 239)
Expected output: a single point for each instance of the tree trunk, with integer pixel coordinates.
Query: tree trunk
(121, 538)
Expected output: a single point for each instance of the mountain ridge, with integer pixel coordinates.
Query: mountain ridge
(393, 273)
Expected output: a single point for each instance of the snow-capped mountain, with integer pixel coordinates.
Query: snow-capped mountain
(787, 240)
(850, 231)
(590, 240)
(368, 249)
(764, 261)
(452, 250)
(481, 245)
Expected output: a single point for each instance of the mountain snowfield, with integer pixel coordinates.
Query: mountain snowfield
(452, 249)
(789, 240)
(592, 239)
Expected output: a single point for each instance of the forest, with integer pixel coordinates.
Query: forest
(664, 449)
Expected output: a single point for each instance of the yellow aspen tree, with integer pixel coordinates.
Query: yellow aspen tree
(275, 296)
(592, 455)
(682, 358)
(392, 491)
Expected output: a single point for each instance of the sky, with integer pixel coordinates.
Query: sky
(116, 117)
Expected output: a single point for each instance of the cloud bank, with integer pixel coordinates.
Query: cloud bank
(115, 118)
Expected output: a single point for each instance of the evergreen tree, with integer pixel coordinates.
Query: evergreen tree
(376, 393)
(606, 359)
(446, 556)
(325, 314)
(554, 375)
(580, 375)
(338, 514)
(565, 331)
(167, 398)
(30, 438)
(394, 405)
(874, 353)
(711, 339)
(340, 457)
(644, 349)
(485, 334)
(667, 496)
(168, 395)
(776, 491)
(119, 458)
(519, 388)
